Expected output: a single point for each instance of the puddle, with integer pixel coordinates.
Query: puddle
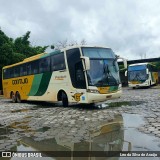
(119, 134)
(111, 104)
(106, 105)
(125, 103)
(5, 130)
(44, 129)
(84, 106)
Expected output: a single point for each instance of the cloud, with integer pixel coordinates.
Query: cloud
(130, 28)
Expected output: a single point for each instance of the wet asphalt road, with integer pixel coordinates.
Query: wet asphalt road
(137, 112)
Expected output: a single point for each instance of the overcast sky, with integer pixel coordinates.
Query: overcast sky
(130, 27)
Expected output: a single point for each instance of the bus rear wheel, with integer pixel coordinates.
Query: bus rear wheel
(64, 100)
(13, 97)
(18, 97)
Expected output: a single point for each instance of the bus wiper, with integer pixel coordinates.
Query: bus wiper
(106, 69)
(106, 73)
(138, 77)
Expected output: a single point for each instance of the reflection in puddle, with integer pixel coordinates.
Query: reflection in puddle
(117, 104)
(44, 129)
(125, 103)
(119, 134)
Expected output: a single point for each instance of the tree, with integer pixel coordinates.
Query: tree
(22, 45)
(157, 64)
(13, 51)
(6, 49)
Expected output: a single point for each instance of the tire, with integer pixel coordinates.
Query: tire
(18, 97)
(13, 97)
(64, 99)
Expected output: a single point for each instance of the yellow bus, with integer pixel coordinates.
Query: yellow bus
(142, 75)
(81, 74)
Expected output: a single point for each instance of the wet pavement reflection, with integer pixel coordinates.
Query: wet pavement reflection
(86, 133)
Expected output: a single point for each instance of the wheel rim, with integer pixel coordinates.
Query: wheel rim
(18, 97)
(13, 98)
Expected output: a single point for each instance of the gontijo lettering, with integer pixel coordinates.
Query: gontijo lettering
(20, 81)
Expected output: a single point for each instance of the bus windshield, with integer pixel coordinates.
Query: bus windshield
(137, 73)
(104, 69)
(98, 52)
(103, 73)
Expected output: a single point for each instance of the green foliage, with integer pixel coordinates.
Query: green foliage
(18, 57)
(157, 64)
(6, 50)
(22, 45)
(13, 51)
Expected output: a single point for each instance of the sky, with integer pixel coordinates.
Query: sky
(130, 27)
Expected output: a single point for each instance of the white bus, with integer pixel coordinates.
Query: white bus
(142, 75)
(80, 74)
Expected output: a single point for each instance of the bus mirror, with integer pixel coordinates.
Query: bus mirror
(125, 63)
(86, 62)
(147, 71)
(126, 73)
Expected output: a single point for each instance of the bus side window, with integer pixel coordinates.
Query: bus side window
(11, 72)
(23, 70)
(5, 73)
(79, 72)
(75, 67)
(35, 67)
(79, 75)
(29, 70)
(16, 71)
(58, 62)
(44, 65)
(151, 68)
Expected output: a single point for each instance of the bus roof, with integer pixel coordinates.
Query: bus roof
(138, 64)
(38, 56)
(79, 46)
(32, 58)
(25, 60)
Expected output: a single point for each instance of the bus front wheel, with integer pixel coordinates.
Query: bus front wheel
(64, 100)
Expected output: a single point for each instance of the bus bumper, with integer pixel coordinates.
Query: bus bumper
(138, 85)
(95, 97)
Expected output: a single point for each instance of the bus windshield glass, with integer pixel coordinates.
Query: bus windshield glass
(137, 73)
(98, 52)
(104, 70)
(103, 73)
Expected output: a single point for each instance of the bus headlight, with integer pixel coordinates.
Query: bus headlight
(92, 91)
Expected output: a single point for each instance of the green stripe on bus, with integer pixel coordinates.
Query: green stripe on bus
(35, 84)
(44, 84)
(113, 88)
